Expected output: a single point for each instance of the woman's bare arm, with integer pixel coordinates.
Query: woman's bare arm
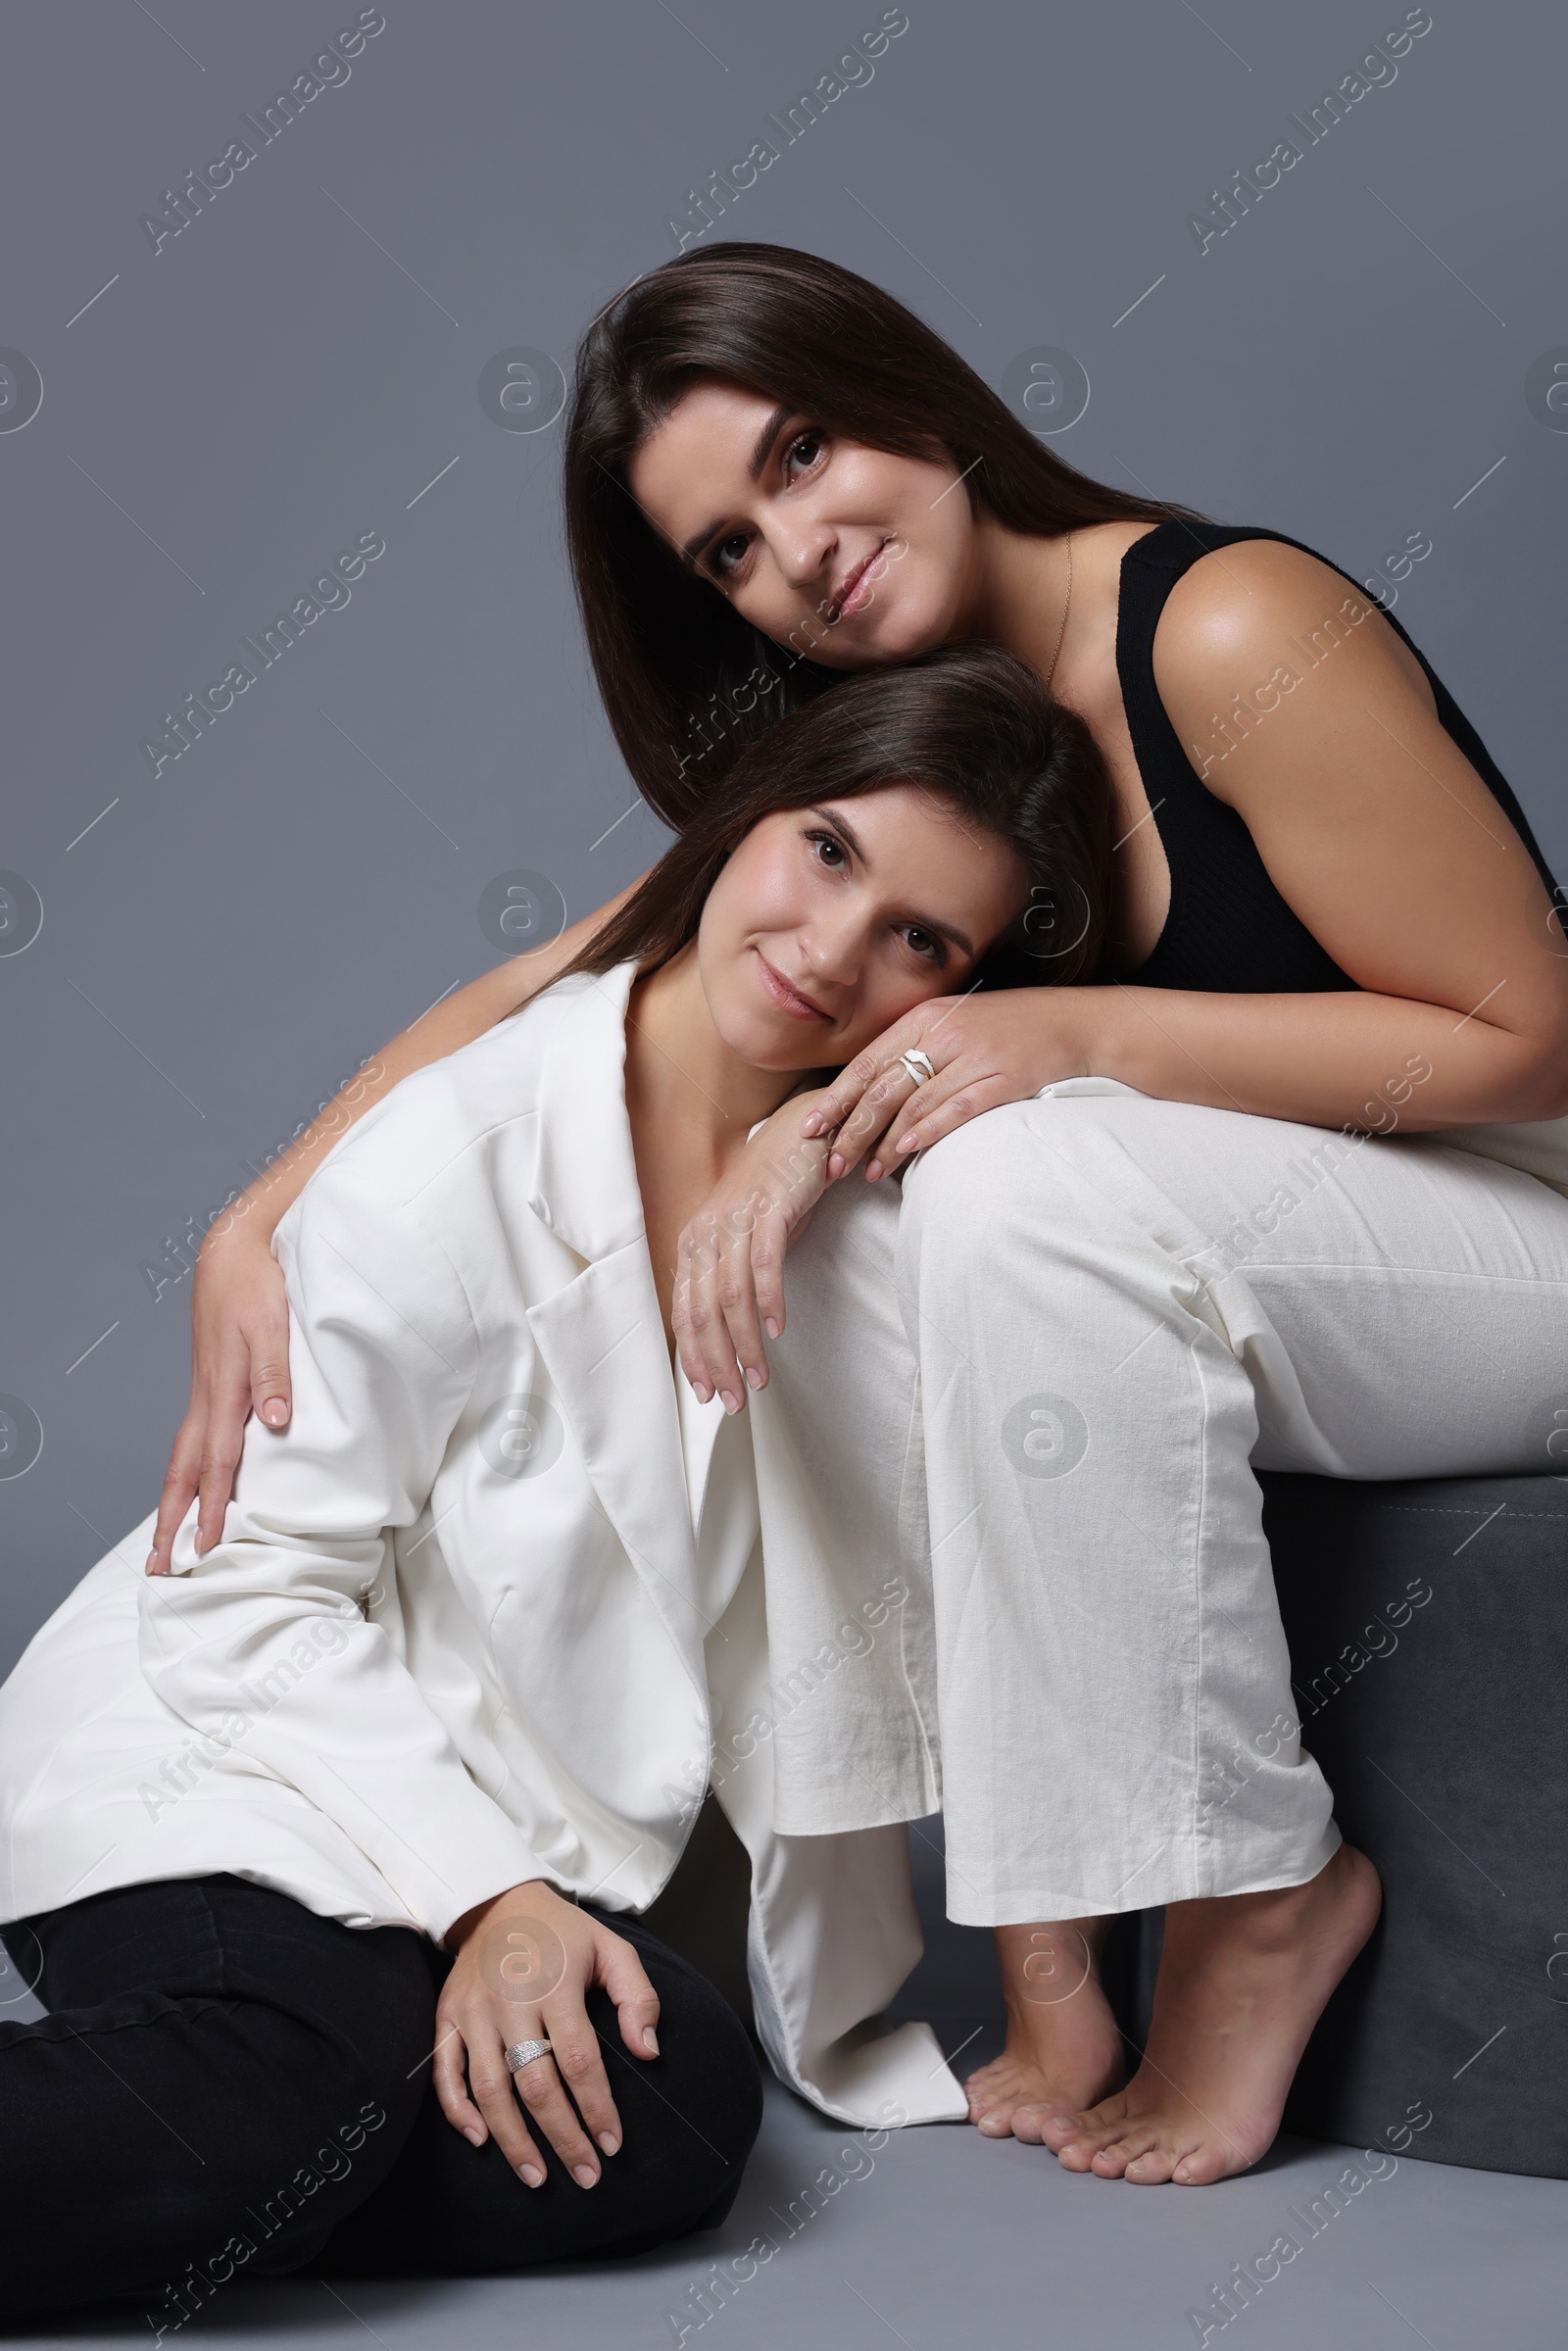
(239, 1317)
(1385, 841)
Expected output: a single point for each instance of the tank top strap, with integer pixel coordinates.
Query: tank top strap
(1228, 928)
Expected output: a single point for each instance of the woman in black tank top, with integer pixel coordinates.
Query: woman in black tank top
(1331, 921)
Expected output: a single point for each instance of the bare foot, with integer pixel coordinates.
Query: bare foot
(1063, 2050)
(1243, 1979)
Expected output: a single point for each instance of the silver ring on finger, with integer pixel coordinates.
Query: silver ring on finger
(920, 1066)
(527, 2052)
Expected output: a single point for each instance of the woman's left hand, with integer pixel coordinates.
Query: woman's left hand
(984, 1050)
(729, 1280)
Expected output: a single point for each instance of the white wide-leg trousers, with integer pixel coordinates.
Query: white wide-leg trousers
(1033, 1392)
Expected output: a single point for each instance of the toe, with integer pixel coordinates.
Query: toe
(989, 2092)
(996, 2122)
(1152, 2169)
(1092, 2127)
(1113, 2159)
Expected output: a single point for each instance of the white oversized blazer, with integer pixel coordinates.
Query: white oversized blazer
(475, 1612)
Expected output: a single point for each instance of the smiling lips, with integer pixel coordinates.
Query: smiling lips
(787, 998)
(858, 583)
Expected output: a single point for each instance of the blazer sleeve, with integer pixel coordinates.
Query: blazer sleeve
(267, 1627)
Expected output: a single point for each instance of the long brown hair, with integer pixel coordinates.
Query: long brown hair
(969, 724)
(686, 682)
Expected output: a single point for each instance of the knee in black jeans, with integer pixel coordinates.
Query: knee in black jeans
(715, 2074)
(229, 2086)
(689, 2118)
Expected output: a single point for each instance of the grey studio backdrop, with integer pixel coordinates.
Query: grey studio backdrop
(349, 346)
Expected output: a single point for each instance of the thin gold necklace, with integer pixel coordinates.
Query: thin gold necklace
(1066, 609)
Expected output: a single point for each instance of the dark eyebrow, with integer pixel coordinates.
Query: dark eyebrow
(764, 441)
(923, 922)
(759, 458)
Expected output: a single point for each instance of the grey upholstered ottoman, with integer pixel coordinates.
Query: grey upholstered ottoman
(1428, 1627)
(1442, 1729)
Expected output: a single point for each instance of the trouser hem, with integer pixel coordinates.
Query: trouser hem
(973, 1905)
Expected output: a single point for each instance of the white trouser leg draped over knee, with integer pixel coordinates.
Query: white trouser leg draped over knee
(1110, 1309)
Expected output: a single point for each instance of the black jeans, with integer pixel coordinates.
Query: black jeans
(227, 2086)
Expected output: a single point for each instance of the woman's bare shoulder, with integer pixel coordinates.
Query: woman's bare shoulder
(1221, 599)
(1245, 613)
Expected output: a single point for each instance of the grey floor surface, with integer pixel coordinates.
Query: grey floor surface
(943, 2238)
(939, 2238)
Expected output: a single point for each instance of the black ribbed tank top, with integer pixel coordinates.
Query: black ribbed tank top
(1228, 928)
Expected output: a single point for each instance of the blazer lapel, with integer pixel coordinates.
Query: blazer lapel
(602, 1338)
(585, 1174)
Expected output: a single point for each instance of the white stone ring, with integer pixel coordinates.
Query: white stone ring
(919, 1066)
(527, 2052)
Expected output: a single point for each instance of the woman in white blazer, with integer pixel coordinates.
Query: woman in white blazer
(457, 1662)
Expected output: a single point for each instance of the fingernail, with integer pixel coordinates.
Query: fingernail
(835, 1163)
(873, 1171)
(650, 2040)
(812, 1124)
(753, 1378)
(771, 1327)
(530, 2174)
(274, 1413)
(733, 1404)
(473, 2135)
(609, 2142)
(584, 2174)
(906, 1143)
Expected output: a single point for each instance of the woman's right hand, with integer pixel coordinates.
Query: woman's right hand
(525, 1964)
(239, 1364)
